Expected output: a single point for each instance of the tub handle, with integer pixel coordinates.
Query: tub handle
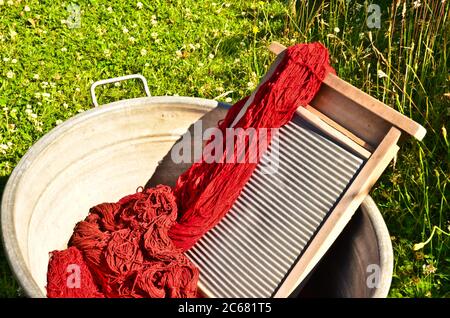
(115, 80)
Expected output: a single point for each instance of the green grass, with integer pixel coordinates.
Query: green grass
(210, 49)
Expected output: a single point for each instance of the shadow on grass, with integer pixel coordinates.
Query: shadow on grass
(8, 285)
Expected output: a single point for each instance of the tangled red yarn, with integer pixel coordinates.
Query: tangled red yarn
(127, 252)
(134, 248)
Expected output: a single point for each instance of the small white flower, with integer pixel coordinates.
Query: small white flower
(337, 30)
(14, 61)
(80, 110)
(64, 49)
(58, 122)
(5, 109)
(417, 4)
(192, 46)
(139, 5)
(211, 56)
(107, 53)
(2, 2)
(26, 9)
(146, 65)
(381, 74)
(250, 85)
(10, 74)
(10, 2)
(228, 100)
(132, 39)
(201, 64)
(77, 89)
(65, 105)
(153, 21)
(227, 5)
(6, 59)
(144, 52)
(33, 115)
(154, 35)
(36, 76)
(4, 147)
(237, 60)
(44, 84)
(125, 30)
(117, 84)
(178, 53)
(110, 10)
(28, 106)
(46, 95)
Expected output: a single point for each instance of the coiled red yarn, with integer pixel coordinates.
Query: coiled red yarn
(134, 248)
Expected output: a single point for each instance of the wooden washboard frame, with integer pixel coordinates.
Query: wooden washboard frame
(356, 121)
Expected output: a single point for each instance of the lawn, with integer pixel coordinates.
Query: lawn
(213, 49)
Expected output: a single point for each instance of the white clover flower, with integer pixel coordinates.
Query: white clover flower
(10, 2)
(178, 53)
(26, 9)
(211, 56)
(417, 4)
(107, 53)
(77, 89)
(381, 74)
(58, 122)
(33, 115)
(132, 39)
(44, 84)
(6, 59)
(10, 74)
(125, 30)
(64, 49)
(146, 65)
(2, 2)
(337, 30)
(250, 85)
(65, 105)
(46, 95)
(14, 61)
(144, 52)
(192, 46)
(228, 100)
(139, 5)
(117, 84)
(109, 9)
(154, 35)
(36, 76)
(201, 64)
(227, 5)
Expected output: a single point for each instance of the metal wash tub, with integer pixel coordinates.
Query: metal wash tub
(107, 152)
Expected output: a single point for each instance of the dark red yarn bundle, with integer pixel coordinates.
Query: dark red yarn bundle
(134, 248)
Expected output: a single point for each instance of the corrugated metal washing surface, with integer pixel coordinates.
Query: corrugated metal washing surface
(253, 248)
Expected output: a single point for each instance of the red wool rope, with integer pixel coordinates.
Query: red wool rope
(134, 248)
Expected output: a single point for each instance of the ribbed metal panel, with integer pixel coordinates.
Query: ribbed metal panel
(255, 245)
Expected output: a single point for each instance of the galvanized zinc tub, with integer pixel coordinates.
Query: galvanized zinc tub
(105, 153)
